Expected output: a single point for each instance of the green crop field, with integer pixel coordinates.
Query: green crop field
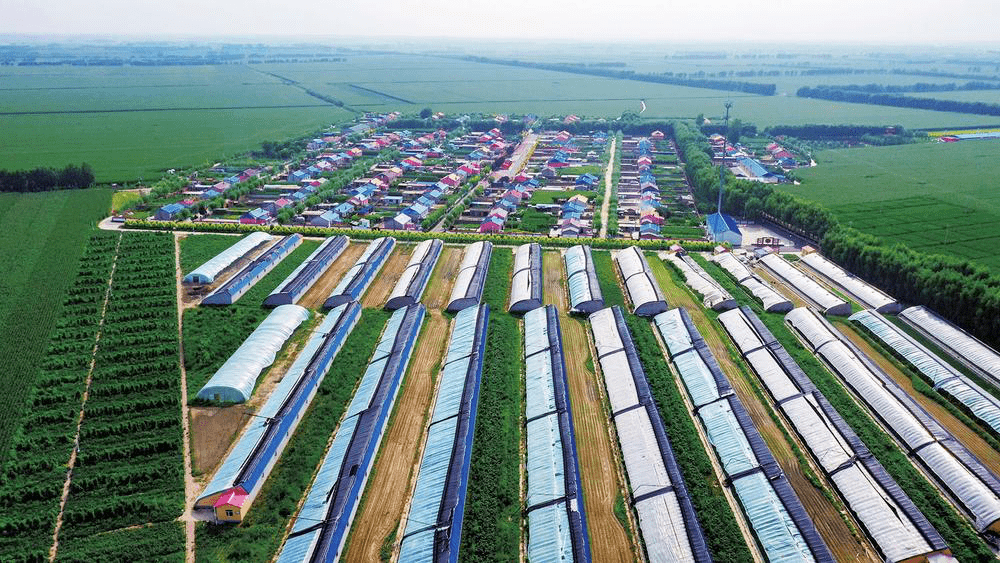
(43, 237)
(136, 122)
(132, 122)
(934, 197)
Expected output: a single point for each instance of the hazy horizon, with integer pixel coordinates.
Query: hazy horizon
(725, 22)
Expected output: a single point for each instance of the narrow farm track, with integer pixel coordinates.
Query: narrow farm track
(317, 294)
(380, 288)
(190, 487)
(600, 464)
(83, 403)
(844, 542)
(606, 205)
(979, 447)
(395, 471)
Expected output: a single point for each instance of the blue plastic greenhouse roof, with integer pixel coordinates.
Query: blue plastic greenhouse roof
(321, 526)
(558, 532)
(206, 272)
(283, 407)
(235, 380)
(775, 515)
(443, 473)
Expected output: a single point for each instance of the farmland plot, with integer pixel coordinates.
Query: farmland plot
(32, 482)
(44, 236)
(134, 392)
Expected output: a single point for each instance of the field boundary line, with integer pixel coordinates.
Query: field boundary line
(190, 488)
(83, 403)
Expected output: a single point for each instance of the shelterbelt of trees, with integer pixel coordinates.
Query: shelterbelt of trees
(43, 179)
(898, 100)
(963, 291)
(711, 83)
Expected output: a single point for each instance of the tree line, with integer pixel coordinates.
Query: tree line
(963, 291)
(713, 84)
(44, 179)
(898, 100)
(917, 87)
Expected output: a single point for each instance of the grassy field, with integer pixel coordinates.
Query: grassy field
(43, 239)
(934, 197)
(136, 122)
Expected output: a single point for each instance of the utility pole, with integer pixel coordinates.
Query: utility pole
(722, 169)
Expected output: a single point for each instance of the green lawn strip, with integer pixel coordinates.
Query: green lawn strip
(607, 278)
(212, 334)
(965, 544)
(257, 538)
(43, 239)
(550, 196)
(492, 527)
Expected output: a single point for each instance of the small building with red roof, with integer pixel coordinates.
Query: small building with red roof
(229, 506)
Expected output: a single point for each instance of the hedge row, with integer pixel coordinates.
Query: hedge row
(411, 236)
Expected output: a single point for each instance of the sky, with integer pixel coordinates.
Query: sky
(907, 22)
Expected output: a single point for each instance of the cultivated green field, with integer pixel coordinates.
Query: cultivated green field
(137, 122)
(132, 122)
(935, 197)
(42, 241)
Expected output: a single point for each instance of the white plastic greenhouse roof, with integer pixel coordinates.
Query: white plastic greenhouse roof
(581, 279)
(525, 283)
(773, 301)
(641, 286)
(413, 279)
(895, 525)
(206, 272)
(955, 341)
(471, 277)
(714, 296)
(248, 441)
(773, 511)
(942, 375)
(867, 294)
(662, 521)
(806, 286)
(955, 468)
(235, 380)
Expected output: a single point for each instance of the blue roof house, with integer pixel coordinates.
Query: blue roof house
(723, 228)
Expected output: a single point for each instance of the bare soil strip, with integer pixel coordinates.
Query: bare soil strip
(83, 403)
(845, 543)
(394, 474)
(317, 294)
(600, 466)
(214, 429)
(380, 288)
(442, 281)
